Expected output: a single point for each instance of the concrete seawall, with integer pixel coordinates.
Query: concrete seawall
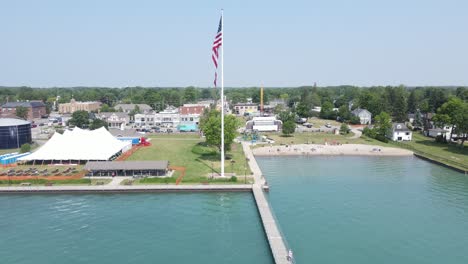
(274, 236)
(127, 189)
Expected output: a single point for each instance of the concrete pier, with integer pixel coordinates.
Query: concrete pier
(127, 188)
(274, 236)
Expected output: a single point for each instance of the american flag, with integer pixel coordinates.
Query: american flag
(216, 44)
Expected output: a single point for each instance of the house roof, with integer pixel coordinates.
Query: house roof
(130, 107)
(24, 104)
(246, 104)
(127, 165)
(125, 133)
(109, 114)
(399, 127)
(359, 111)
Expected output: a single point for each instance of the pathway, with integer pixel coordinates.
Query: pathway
(357, 133)
(274, 236)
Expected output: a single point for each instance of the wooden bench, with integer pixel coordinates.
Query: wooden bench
(99, 183)
(49, 183)
(25, 184)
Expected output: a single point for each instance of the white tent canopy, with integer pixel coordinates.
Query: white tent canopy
(80, 144)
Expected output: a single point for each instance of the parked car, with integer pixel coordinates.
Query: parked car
(33, 125)
(328, 125)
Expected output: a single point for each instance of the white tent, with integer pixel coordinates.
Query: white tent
(80, 144)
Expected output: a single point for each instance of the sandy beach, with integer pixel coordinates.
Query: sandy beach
(331, 150)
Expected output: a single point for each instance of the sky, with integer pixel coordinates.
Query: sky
(290, 43)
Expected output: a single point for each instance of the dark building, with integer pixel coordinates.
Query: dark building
(36, 109)
(14, 133)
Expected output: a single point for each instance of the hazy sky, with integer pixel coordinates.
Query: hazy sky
(275, 43)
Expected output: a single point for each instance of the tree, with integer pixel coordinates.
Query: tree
(25, 148)
(190, 94)
(288, 127)
(98, 123)
(327, 111)
(22, 112)
(344, 129)
(383, 123)
(107, 108)
(452, 113)
(343, 113)
(80, 119)
(211, 127)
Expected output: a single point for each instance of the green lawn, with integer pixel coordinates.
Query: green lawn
(189, 151)
(447, 153)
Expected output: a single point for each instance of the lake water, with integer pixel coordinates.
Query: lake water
(131, 228)
(369, 210)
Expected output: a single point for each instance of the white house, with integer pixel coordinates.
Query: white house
(365, 117)
(114, 120)
(400, 132)
(170, 117)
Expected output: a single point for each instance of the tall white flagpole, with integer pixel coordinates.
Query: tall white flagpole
(222, 94)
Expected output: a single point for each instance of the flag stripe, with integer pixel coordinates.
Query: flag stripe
(218, 41)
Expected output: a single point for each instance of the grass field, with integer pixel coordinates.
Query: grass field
(447, 153)
(189, 151)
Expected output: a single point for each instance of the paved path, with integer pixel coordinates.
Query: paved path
(357, 133)
(274, 236)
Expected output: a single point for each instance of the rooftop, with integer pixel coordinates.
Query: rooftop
(24, 104)
(13, 122)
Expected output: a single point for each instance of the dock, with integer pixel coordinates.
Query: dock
(276, 240)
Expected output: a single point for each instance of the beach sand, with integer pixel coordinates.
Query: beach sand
(330, 150)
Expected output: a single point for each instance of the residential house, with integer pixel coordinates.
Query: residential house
(400, 132)
(114, 119)
(36, 109)
(365, 117)
(145, 120)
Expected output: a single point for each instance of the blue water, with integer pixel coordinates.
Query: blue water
(131, 228)
(369, 210)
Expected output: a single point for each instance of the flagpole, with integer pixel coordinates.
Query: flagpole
(222, 95)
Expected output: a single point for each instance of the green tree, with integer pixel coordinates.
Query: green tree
(80, 119)
(98, 123)
(288, 127)
(190, 94)
(344, 129)
(211, 127)
(22, 112)
(382, 125)
(327, 111)
(452, 113)
(343, 113)
(26, 147)
(107, 108)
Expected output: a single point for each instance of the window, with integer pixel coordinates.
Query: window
(407, 133)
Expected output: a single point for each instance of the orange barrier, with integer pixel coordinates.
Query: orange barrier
(182, 173)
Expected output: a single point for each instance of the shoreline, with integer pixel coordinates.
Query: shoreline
(331, 150)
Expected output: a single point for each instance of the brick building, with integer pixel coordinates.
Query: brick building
(69, 108)
(36, 109)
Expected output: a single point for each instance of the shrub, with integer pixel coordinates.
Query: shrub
(233, 179)
(26, 147)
